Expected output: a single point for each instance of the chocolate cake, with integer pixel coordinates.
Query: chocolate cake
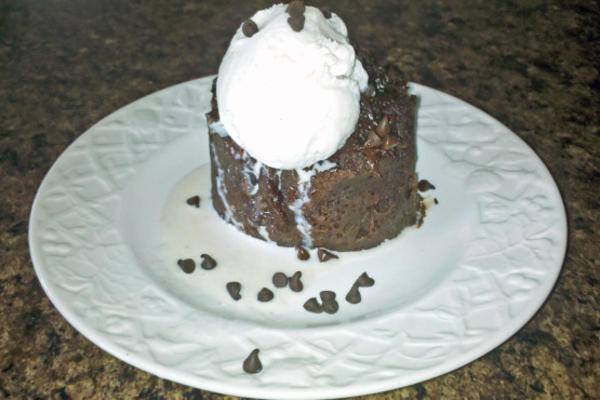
(363, 194)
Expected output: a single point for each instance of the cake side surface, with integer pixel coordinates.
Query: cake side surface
(363, 194)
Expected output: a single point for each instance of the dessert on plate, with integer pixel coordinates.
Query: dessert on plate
(311, 143)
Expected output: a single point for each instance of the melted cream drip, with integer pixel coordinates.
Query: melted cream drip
(304, 186)
(222, 191)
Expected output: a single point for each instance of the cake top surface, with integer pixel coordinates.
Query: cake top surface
(289, 86)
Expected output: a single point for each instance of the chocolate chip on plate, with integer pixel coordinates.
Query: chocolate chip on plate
(325, 255)
(353, 296)
(302, 253)
(207, 262)
(279, 279)
(187, 265)
(249, 28)
(295, 282)
(252, 364)
(330, 305)
(234, 289)
(435, 200)
(365, 280)
(296, 22)
(295, 7)
(424, 185)
(194, 201)
(313, 305)
(327, 295)
(265, 295)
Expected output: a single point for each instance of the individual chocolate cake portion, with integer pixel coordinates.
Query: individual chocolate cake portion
(363, 194)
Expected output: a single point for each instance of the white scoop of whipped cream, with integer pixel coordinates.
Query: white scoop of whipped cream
(291, 98)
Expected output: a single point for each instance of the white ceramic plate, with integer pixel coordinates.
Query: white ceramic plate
(109, 222)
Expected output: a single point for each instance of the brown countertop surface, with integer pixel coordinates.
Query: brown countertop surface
(533, 65)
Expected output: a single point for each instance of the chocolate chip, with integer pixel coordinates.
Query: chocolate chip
(365, 280)
(194, 201)
(373, 140)
(302, 253)
(353, 296)
(390, 142)
(313, 305)
(326, 12)
(234, 290)
(330, 305)
(424, 185)
(208, 262)
(383, 127)
(265, 295)
(280, 280)
(435, 200)
(252, 364)
(325, 255)
(296, 22)
(187, 265)
(295, 7)
(295, 282)
(249, 28)
(327, 295)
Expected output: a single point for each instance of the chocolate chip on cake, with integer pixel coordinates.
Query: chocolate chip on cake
(390, 142)
(265, 295)
(353, 296)
(424, 185)
(252, 364)
(295, 7)
(295, 282)
(194, 201)
(234, 289)
(365, 280)
(280, 279)
(325, 11)
(302, 253)
(313, 305)
(208, 262)
(373, 140)
(383, 127)
(296, 22)
(187, 265)
(435, 200)
(249, 28)
(325, 255)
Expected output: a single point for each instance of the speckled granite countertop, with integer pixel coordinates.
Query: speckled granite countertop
(534, 66)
